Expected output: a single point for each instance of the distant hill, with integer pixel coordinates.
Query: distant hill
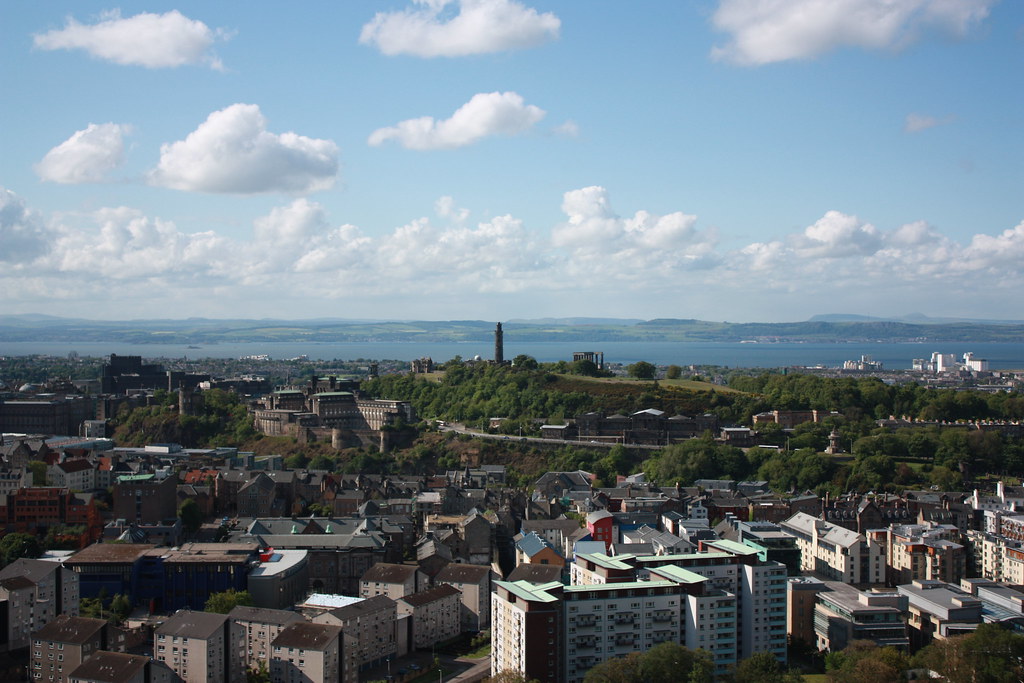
(826, 328)
(916, 318)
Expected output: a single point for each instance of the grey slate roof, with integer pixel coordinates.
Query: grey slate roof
(307, 636)
(189, 624)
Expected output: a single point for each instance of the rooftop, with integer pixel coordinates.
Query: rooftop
(65, 629)
(189, 624)
(109, 667)
(307, 636)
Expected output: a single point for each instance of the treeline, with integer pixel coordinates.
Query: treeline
(223, 420)
(873, 399)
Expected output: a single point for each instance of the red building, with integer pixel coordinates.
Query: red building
(34, 510)
(601, 525)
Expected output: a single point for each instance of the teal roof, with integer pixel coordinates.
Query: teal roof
(136, 477)
(334, 393)
(608, 561)
(733, 547)
(531, 591)
(678, 574)
(684, 556)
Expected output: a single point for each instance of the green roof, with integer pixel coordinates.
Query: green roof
(684, 556)
(678, 574)
(333, 393)
(609, 561)
(531, 591)
(733, 547)
(136, 477)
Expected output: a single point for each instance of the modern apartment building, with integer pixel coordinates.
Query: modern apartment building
(61, 645)
(369, 631)
(32, 594)
(308, 653)
(195, 646)
(843, 614)
(252, 631)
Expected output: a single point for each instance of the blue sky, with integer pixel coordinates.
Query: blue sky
(741, 160)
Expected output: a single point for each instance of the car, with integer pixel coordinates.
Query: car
(415, 667)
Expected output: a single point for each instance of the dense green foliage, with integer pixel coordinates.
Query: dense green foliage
(991, 654)
(223, 420)
(17, 545)
(225, 601)
(664, 663)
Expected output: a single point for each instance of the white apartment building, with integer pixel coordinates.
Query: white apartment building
(834, 553)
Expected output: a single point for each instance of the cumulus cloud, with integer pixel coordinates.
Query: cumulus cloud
(233, 152)
(486, 114)
(22, 233)
(767, 31)
(150, 40)
(915, 123)
(296, 251)
(604, 245)
(85, 157)
(477, 27)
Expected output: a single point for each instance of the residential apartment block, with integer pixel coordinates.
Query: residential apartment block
(252, 630)
(195, 646)
(308, 653)
(832, 552)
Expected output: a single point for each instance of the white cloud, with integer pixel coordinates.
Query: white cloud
(86, 156)
(233, 152)
(915, 123)
(150, 40)
(767, 31)
(297, 253)
(478, 27)
(23, 236)
(648, 247)
(569, 129)
(486, 114)
(836, 235)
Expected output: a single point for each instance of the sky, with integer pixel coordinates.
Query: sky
(728, 160)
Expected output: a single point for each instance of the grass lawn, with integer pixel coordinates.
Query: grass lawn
(481, 651)
(815, 678)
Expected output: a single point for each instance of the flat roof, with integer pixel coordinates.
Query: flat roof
(531, 591)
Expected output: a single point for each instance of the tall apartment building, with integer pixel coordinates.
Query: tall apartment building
(63, 644)
(252, 631)
(436, 614)
(725, 600)
(308, 653)
(32, 594)
(474, 583)
(368, 626)
(117, 667)
(195, 646)
(925, 551)
(145, 498)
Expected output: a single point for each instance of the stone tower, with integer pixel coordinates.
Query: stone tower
(499, 346)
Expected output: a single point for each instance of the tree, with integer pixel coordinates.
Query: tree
(191, 516)
(524, 362)
(17, 545)
(38, 468)
(763, 667)
(258, 674)
(224, 602)
(509, 677)
(641, 370)
(322, 462)
(673, 372)
(989, 655)
(120, 607)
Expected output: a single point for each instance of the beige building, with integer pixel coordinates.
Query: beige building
(252, 630)
(393, 580)
(833, 553)
(35, 592)
(369, 631)
(925, 551)
(435, 615)
(195, 646)
(308, 653)
(474, 583)
(61, 645)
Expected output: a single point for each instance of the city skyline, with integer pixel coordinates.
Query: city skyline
(743, 160)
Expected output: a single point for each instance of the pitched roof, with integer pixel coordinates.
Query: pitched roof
(434, 594)
(33, 570)
(384, 572)
(363, 607)
(536, 573)
(463, 573)
(307, 636)
(109, 667)
(65, 629)
(263, 615)
(189, 624)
